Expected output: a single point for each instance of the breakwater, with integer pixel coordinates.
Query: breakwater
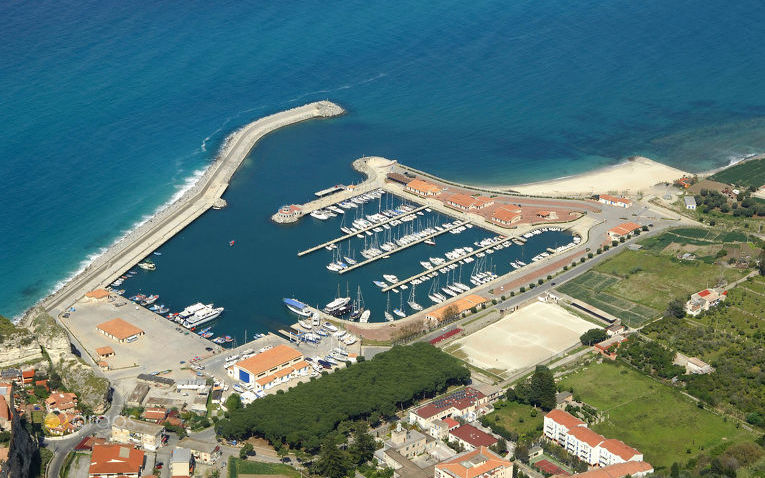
(170, 220)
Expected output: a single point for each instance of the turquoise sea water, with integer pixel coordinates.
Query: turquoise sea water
(110, 107)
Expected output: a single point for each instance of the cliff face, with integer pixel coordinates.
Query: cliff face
(91, 389)
(23, 455)
(17, 345)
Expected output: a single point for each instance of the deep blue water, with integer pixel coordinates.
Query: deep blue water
(109, 107)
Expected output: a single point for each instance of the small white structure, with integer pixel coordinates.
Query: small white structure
(690, 202)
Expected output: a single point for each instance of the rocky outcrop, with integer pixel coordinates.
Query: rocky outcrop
(92, 390)
(23, 453)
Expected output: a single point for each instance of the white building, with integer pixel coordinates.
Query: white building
(557, 424)
(614, 201)
(270, 368)
(690, 202)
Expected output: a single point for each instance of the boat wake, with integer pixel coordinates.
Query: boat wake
(339, 88)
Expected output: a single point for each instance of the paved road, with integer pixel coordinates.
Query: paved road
(61, 448)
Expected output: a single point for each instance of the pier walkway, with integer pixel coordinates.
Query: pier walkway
(361, 231)
(443, 230)
(445, 264)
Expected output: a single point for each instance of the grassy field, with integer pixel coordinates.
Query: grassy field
(749, 173)
(517, 417)
(239, 467)
(657, 420)
(637, 285)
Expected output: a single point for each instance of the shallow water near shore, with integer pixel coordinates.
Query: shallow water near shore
(111, 108)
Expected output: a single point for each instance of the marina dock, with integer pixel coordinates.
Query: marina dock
(330, 190)
(401, 248)
(360, 231)
(445, 264)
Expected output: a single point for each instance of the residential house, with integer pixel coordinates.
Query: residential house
(181, 462)
(440, 428)
(409, 443)
(480, 462)
(61, 402)
(154, 414)
(702, 301)
(467, 403)
(584, 444)
(112, 461)
(145, 434)
(471, 437)
(506, 216)
(203, 452)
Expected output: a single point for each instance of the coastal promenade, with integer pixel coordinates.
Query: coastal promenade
(173, 218)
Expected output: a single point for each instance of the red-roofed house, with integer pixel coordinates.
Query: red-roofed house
(154, 414)
(422, 188)
(622, 230)
(703, 300)
(467, 403)
(613, 451)
(471, 437)
(558, 423)
(61, 402)
(480, 462)
(111, 461)
(614, 201)
(506, 216)
(28, 376)
(464, 202)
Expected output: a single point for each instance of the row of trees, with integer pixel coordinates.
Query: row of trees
(306, 414)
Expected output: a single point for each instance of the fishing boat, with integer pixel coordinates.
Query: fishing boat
(205, 330)
(147, 265)
(231, 243)
(156, 253)
(218, 340)
(163, 310)
(228, 339)
(149, 300)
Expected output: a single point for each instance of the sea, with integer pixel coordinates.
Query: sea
(112, 109)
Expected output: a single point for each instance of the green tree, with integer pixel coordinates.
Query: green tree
(522, 453)
(675, 470)
(363, 447)
(332, 462)
(676, 308)
(593, 336)
(233, 402)
(246, 451)
(542, 388)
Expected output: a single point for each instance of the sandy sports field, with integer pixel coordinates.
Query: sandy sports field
(521, 339)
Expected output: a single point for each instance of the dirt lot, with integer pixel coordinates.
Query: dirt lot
(525, 337)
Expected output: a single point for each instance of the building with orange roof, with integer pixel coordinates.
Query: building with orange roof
(111, 461)
(613, 451)
(288, 213)
(622, 230)
(506, 216)
(460, 305)
(60, 402)
(614, 201)
(120, 330)
(270, 368)
(154, 414)
(583, 443)
(467, 403)
(558, 423)
(422, 188)
(28, 376)
(480, 462)
(463, 202)
(97, 295)
(636, 469)
(105, 352)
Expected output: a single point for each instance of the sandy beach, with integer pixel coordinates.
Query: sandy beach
(629, 177)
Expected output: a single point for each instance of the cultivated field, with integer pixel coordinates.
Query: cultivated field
(528, 336)
(749, 173)
(636, 286)
(657, 420)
